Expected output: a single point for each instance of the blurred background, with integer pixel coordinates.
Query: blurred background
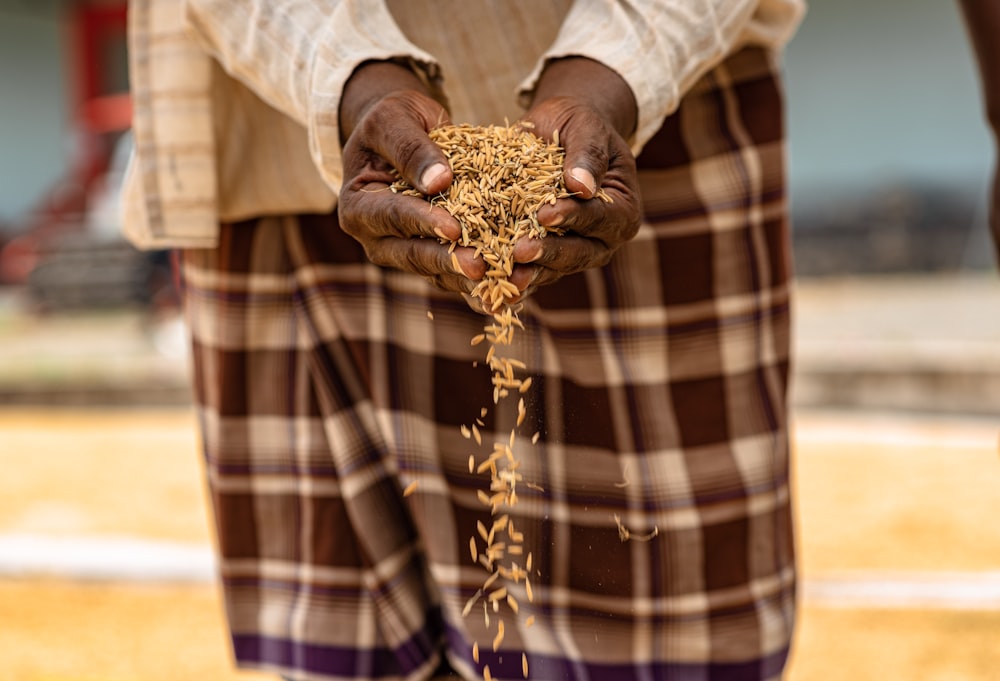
(105, 552)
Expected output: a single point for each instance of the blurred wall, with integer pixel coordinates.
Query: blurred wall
(890, 156)
(883, 92)
(35, 143)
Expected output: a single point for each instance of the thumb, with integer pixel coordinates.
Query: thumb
(580, 180)
(585, 139)
(402, 140)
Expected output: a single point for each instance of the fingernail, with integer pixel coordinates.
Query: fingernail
(555, 221)
(538, 251)
(584, 177)
(433, 173)
(441, 234)
(456, 265)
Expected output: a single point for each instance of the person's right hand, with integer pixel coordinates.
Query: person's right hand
(385, 115)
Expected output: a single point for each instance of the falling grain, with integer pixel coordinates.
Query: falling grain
(502, 176)
(498, 639)
(499, 594)
(471, 602)
(624, 534)
(411, 488)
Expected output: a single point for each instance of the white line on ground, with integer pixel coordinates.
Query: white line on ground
(105, 558)
(895, 430)
(128, 559)
(906, 590)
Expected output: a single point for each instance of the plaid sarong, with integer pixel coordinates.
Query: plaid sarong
(324, 388)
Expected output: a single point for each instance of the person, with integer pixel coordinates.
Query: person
(330, 334)
(982, 20)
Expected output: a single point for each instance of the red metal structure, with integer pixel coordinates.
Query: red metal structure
(100, 111)
(101, 105)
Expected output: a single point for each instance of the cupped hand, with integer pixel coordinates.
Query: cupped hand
(385, 118)
(593, 110)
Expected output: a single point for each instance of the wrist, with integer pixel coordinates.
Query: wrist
(591, 83)
(369, 83)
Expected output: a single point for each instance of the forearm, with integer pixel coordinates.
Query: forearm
(983, 23)
(660, 48)
(982, 18)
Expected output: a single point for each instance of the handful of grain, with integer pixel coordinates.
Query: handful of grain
(501, 177)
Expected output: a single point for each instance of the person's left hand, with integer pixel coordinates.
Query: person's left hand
(593, 110)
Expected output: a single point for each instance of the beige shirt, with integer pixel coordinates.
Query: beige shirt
(236, 101)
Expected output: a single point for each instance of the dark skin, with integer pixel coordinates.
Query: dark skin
(982, 18)
(385, 115)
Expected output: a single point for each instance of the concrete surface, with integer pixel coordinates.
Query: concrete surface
(105, 548)
(929, 343)
(926, 343)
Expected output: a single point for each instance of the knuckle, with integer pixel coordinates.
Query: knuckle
(583, 260)
(407, 150)
(413, 261)
(376, 253)
(597, 153)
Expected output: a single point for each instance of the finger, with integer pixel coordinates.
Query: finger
(527, 250)
(426, 257)
(612, 223)
(397, 131)
(586, 140)
(373, 211)
(474, 303)
(454, 283)
(568, 254)
(523, 277)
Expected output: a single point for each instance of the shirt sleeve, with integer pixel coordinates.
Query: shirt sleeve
(660, 47)
(298, 54)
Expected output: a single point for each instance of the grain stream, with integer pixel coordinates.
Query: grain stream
(502, 176)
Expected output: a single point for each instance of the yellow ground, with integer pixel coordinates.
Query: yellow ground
(872, 495)
(58, 631)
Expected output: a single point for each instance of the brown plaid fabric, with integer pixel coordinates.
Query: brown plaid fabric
(324, 389)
